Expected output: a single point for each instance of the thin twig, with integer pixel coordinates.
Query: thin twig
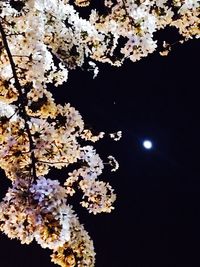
(51, 163)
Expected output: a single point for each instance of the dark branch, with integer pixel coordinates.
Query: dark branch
(52, 163)
(23, 113)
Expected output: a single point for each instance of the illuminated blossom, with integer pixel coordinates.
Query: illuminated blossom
(36, 211)
(40, 41)
(98, 196)
(79, 251)
(7, 111)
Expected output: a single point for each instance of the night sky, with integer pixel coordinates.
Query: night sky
(156, 221)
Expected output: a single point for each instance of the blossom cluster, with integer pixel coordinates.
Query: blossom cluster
(36, 207)
(37, 134)
(36, 211)
(72, 39)
(78, 251)
(136, 22)
(40, 212)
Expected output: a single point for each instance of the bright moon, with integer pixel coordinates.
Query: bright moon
(147, 144)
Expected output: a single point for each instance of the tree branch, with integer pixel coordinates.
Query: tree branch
(23, 113)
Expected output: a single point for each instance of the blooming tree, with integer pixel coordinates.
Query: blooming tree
(40, 41)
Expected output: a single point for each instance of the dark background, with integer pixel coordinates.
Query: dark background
(156, 221)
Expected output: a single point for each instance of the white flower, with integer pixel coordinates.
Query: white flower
(116, 136)
(113, 163)
(8, 111)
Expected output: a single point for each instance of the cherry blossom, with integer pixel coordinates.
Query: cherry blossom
(40, 42)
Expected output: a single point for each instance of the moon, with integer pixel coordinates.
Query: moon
(147, 144)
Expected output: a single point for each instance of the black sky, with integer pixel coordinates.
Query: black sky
(156, 221)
